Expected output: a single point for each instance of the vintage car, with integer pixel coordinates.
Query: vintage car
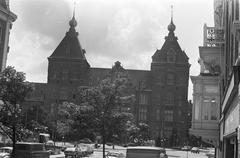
(115, 155)
(75, 152)
(5, 152)
(31, 150)
(146, 152)
(211, 153)
(195, 150)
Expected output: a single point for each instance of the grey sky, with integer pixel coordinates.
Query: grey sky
(126, 30)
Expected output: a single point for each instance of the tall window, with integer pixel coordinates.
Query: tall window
(213, 109)
(205, 109)
(168, 115)
(1, 33)
(209, 109)
(170, 79)
(158, 114)
(63, 93)
(169, 98)
(180, 101)
(143, 113)
(168, 131)
(143, 98)
(64, 74)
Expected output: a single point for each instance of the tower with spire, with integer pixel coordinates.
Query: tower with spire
(67, 68)
(169, 73)
(6, 19)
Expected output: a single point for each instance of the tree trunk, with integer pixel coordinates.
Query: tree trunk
(14, 141)
(104, 141)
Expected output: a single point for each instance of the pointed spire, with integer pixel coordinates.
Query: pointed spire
(73, 22)
(171, 26)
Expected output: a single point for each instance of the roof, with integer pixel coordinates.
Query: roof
(145, 148)
(70, 46)
(98, 74)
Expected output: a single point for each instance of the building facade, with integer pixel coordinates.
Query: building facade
(206, 95)
(161, 93)
(224, 37)
(228, 15)
(6, 19)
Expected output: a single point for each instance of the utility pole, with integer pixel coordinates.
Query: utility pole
(103, 133)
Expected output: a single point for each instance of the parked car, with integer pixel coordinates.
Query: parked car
(186, 148)
(31, 150)
(73, 152)
(87, 149)
(210, 153)
(5, 152)
(195, 150)
(146, 152)
(115, 155)
(85, 140)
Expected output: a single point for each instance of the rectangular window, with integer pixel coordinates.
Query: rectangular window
(1, 33)
(143, 98)
(170, 79)
(170, 98)
(209, 109)
(168, 132)
(143, 113)
(158, 114)
(205, 109)
(213, 110)
(237, 10)
(180, 101)
(168, 115)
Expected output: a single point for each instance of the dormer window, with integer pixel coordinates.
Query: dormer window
(171, 56)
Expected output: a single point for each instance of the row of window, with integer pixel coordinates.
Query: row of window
(144, 99)
(171, 79)
(168, 114)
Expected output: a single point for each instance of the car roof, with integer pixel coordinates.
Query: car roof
(145, 148)
(28, 143)
(6, 147)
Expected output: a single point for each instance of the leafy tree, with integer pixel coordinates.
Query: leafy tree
(13, 90)
(107, 99)
(75, 122)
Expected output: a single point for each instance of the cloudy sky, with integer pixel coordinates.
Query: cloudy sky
(126, 30)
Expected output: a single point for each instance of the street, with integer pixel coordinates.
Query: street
(170, 152)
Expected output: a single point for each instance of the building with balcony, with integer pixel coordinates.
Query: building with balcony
(224, 36)
(206, 96)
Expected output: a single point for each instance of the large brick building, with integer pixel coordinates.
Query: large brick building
(161, 93)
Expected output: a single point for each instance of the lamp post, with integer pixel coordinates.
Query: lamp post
(103, 133)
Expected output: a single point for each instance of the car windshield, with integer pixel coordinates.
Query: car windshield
(2, 150)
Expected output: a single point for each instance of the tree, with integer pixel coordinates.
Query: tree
(75, 121)
(107, 100)
(13, 90)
